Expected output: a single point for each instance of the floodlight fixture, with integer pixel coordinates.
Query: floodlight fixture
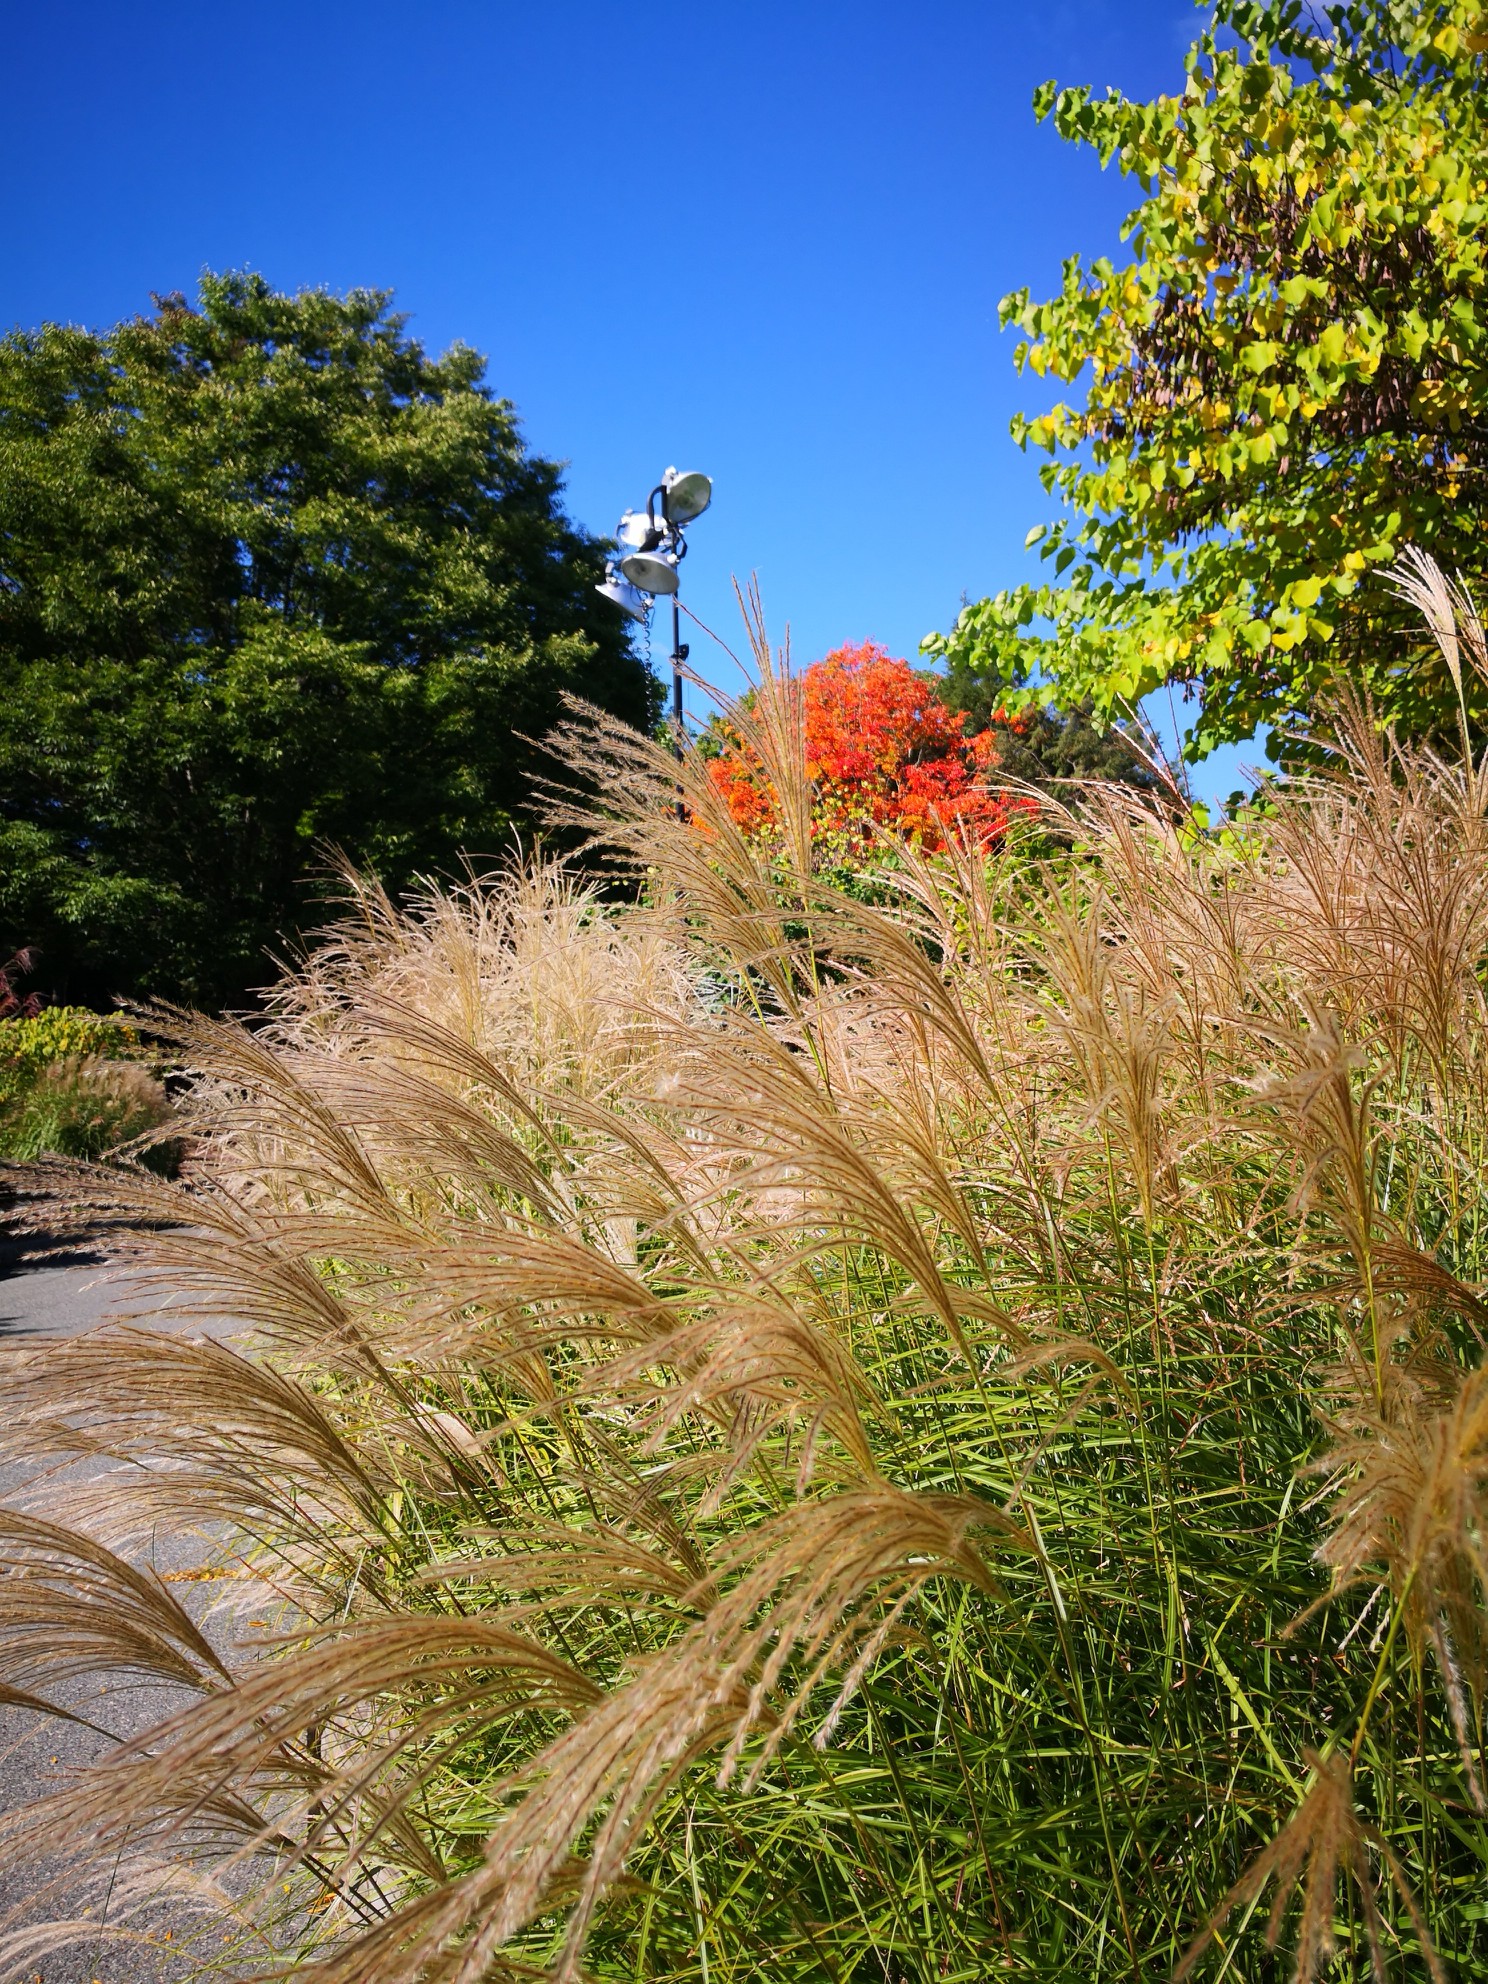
(634, 528)
(651, 567)
(624, 595)
(652, 571)
(685, 497)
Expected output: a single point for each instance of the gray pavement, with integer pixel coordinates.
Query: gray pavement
(46, 1293)
(51, 1288)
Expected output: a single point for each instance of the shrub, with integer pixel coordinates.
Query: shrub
(14, 1004)
(83, 1107)
(32, 1043)
(883, 750)
(72, 1085)
(783, 1438)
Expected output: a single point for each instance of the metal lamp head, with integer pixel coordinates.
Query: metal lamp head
(634, 528)
(687, 496)
(651, 571)
(623, 594)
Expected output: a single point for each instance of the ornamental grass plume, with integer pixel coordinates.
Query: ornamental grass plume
(778, 1436)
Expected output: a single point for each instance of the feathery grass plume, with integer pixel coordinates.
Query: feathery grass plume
(775, 1435)
(1323, 1838)
(1412, 1506)
(1452, 619)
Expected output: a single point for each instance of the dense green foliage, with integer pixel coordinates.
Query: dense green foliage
(1286, 383)
(270, 576)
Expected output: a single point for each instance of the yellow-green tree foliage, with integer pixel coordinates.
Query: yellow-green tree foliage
(1285, 384)
(58, 1033)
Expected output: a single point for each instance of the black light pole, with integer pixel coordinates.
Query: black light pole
(668, 536)
(679, 655)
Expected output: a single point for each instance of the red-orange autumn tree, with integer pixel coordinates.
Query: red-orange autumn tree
(882, 750)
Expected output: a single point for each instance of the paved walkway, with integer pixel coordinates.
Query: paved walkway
(45, 1294)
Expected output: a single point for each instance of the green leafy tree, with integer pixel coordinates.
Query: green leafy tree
(1286, 384)
(270, 577)
(1047, 747)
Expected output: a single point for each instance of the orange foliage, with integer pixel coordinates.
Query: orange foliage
(881, 749)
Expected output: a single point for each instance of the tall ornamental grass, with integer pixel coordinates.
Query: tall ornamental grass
(783, 1438)
(73, 1084)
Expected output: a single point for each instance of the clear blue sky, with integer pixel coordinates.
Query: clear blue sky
(764, 240)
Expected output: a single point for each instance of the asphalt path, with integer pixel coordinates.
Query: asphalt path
(47, 1293)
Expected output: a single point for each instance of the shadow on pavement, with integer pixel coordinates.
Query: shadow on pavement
(22, 1251)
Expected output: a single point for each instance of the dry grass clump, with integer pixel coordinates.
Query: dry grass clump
(782, 1438)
